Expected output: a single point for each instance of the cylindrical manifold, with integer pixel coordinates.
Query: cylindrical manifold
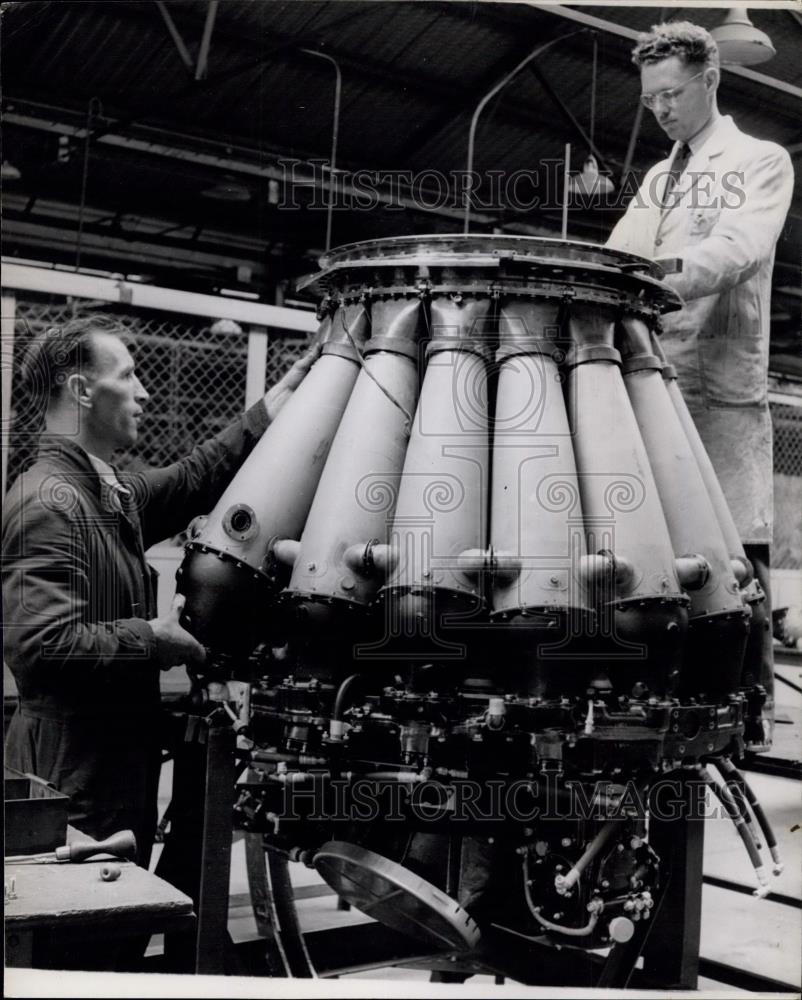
(439, 532)
(718, 616)
(229, 572)
(343, 554)
(633, 582)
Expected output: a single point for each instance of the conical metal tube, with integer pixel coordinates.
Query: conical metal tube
(229, 573)
(352, 512)
(718, 625)
(755, 665)
(441, 511)
(536, 516)
(645, 612)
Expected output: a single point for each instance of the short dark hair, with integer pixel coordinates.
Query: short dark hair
(691, 43)
(58, 352)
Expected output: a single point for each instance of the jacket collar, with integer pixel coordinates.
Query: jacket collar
(75, 461)
(66, 452)
(722, 134)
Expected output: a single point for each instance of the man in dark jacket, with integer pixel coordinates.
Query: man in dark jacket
(82, 636)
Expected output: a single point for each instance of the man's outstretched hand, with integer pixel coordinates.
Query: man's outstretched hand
(277, 395)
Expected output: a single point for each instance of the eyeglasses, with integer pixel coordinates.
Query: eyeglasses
(666, 96)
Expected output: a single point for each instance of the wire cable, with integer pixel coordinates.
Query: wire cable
(371, 376)
(94, 110)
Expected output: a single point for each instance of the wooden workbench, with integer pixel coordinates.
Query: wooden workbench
(59, 906)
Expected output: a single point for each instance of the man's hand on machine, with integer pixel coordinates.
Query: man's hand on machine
(174, 644)
(277, 395)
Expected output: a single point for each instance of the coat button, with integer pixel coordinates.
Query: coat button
(658, 242)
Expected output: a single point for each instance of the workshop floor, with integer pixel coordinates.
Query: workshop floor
(761, 936)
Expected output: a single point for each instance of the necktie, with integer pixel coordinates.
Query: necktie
(678, 165)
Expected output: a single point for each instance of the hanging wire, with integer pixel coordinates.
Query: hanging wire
(593, 89)
(371, 376)
(94, 110)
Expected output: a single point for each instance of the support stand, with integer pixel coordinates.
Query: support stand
(673, 960)
(197, 859)
(197, 854)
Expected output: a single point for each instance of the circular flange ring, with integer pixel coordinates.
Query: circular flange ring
(395, 896)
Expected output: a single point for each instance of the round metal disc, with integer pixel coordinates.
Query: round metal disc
(395, 896)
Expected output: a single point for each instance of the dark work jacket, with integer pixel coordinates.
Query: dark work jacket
(77, 596)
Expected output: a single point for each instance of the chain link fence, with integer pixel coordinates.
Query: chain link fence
(196, 378)
(787, 548)
(195, 375)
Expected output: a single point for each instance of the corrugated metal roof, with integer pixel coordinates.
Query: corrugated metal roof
(412, 73)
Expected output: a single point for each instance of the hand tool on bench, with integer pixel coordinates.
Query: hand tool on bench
(119, 845)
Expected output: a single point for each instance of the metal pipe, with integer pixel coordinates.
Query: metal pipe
(562, 883)
(502, 83)
(633, 139)
(279, 757)
(586, 137)
(183, 51)
(206, 39)
(335, 133)
(559, 928)
(410, 776)
(94, 109)
(8, 312)
(336, 724)
(343, 690)
(566, 183)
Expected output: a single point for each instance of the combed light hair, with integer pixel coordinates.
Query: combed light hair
(692, 44)
(52, 356)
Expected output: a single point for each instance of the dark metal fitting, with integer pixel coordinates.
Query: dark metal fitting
(693, 571)
(593, 352)
(641, 362)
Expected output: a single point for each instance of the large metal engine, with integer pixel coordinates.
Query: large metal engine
(475, 605)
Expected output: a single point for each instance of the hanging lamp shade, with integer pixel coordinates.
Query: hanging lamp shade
(739, 41)
(10, 172)
(590, 181)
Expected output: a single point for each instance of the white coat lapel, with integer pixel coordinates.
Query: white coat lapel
(703, 169)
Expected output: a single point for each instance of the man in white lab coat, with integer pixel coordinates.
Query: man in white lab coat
(718, 202)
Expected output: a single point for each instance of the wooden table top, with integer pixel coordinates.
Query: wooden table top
(73, 894)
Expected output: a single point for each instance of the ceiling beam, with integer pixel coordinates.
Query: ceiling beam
(265, 54)
(307, 174)
(289, 48)
(429, 130)
(43, 231)
(569, 116)
(175, 34)
(206, 40)
(580, 17)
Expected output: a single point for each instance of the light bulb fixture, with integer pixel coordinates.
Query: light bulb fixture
(225, 326)
(590, 181)
(9, 171)
(739, 41)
